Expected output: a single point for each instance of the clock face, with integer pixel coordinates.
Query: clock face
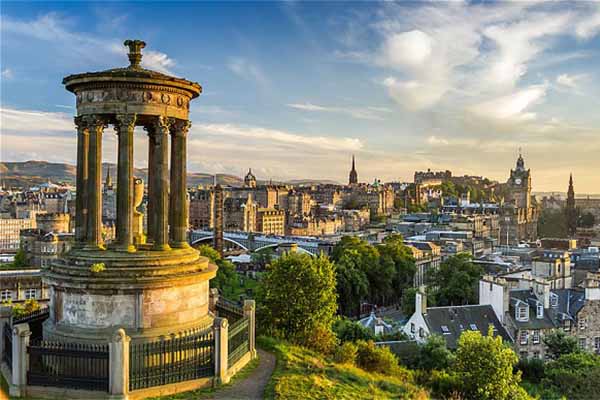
(518, 181)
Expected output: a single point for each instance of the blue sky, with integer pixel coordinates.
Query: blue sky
(294, 89)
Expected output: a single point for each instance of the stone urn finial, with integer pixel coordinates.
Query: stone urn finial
(135, 52)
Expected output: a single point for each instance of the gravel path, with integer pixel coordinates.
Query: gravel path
(253, 386)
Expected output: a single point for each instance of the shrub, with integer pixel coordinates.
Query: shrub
(20, 310)
(532, 369)
(97, 268)
(350, 331)
(574, 375)
(376, 359)
(346, 353)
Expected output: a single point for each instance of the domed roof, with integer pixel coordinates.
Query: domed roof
(133, 73)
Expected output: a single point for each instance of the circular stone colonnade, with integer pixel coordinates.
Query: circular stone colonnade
(150, 288)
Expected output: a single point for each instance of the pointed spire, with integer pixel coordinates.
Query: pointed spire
(353, 165)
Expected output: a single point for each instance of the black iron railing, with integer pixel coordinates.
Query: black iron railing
(7, 337)
(35, 320)
(237, 342)
(230, 310)
(72, 365)
(40, 314)
(172, 360)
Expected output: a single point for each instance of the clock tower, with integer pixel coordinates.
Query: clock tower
(519, 185)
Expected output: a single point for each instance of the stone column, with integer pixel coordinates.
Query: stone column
(94, 187)
(83, 144)
(150, 209)
(118, 356)
(221, 333)
(125, 126)
(20, 358)
(160, 192)
(178, 205)
(250, 313)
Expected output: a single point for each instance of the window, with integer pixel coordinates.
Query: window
(582, 343)
(5, 295)
(536, 337)
(522, 312)
(553, 300)
(567, 325)
(473, 327)
(445, 330)
(412, 327)
(421, 332)
(582, 323)
(536, 354)
(540, 310)
(524, 337)
(597, 345)
(30, 294)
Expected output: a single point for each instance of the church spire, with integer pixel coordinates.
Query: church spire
(353, 178)
(570, 210)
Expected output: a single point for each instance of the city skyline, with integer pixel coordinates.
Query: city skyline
(405, 87)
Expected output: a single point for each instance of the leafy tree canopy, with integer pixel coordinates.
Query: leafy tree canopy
(456, 281)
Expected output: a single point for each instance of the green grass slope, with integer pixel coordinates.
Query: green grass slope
(304, 374)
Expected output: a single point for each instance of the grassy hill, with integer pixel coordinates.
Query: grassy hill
(31, 173)
(303, 374)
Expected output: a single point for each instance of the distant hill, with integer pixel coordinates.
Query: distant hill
(310, 182)
(31, 173)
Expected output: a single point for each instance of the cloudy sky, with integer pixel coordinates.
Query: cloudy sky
(294, 89)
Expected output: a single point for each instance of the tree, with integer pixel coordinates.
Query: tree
(297, 300)
(434, 354)
(350, 331)
(574, 375)
(20, 260)
(394, 251)
(558, 343)
(485, 368)
(456, 281)
(449, 189)
(227, 279)
(262, 258)
(586, 220)
(352, 283)
(408, 301)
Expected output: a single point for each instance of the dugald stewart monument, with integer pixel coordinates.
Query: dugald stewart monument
(150, 287)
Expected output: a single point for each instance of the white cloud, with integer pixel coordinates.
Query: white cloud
(407, 49)
(247, 70)
(570, 81)
(55, 31)
(414, 95)
(437, 141)
(283, 137)
(14, 120)
(369, 113)
(513, 106)
(7, 73)
(589, 26)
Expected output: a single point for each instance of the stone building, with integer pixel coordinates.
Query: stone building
(240, 214)
(315, 226)
(250, 179)
(17, 286)
(520, 212)
(43, 247)
(10, 230)
(428, 257)
(53, 222)
(270, 221)
(201, 209)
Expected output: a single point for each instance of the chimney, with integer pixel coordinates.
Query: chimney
(421, 301)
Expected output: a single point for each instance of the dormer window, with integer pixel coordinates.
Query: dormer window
(445, 330)
(522, 312)
(540, 311)
(553, 300)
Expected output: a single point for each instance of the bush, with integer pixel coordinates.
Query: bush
(434, 354)
(349, 331)
(20, 310)
(531, 369)
(376, 359)
(346, 353)
(574, 375)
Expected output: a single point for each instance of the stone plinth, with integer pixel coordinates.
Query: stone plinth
(148, 293)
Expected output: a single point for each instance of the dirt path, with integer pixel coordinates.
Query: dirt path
(253, 386)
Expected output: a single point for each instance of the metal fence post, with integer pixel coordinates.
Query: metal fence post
(118, 366)
(20, 342)
(5, 315)
(250, 313)
(221, 327)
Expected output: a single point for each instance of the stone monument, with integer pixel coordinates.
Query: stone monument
(149, 289)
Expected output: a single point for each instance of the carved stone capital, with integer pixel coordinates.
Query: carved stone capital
(125, 123)
(94, 122)
(181, 127)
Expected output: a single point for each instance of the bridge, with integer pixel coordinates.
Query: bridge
(256, 242)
